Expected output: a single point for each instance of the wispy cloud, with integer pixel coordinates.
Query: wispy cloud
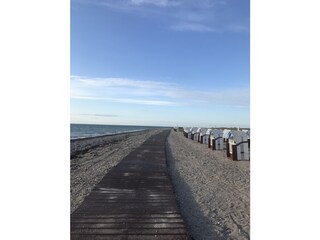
(129, 100)
(98, 115)
(129, 91)
(179, 15)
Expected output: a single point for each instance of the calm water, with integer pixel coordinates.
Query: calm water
(88, 130)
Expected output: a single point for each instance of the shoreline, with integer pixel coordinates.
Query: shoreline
(82, 145)
(105, 135)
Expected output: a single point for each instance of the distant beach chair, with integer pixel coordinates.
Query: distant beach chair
(237, 146)
(186, 131)
(191, 132)
(248, 133)
(203, 132)
(216, 140)
(197, 135)
(226, 134)
(205, 138)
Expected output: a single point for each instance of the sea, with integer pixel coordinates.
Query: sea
(92, 130)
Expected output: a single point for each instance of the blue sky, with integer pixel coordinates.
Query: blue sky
(160, 62)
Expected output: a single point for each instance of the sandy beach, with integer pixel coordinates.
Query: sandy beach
(212, 191)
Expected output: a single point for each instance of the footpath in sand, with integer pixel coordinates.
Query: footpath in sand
(212, 191)
(134, 200)
(92, 158)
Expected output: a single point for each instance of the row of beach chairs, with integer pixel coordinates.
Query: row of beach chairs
(236, 143)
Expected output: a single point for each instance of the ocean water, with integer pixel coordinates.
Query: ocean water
(90, 130)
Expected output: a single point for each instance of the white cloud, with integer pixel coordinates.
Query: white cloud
(129, 100)
(122, 82)
(98, 115)
(129, 91)
(178, 15)
(144, 102)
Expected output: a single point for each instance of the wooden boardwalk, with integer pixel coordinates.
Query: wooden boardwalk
(134, 200)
